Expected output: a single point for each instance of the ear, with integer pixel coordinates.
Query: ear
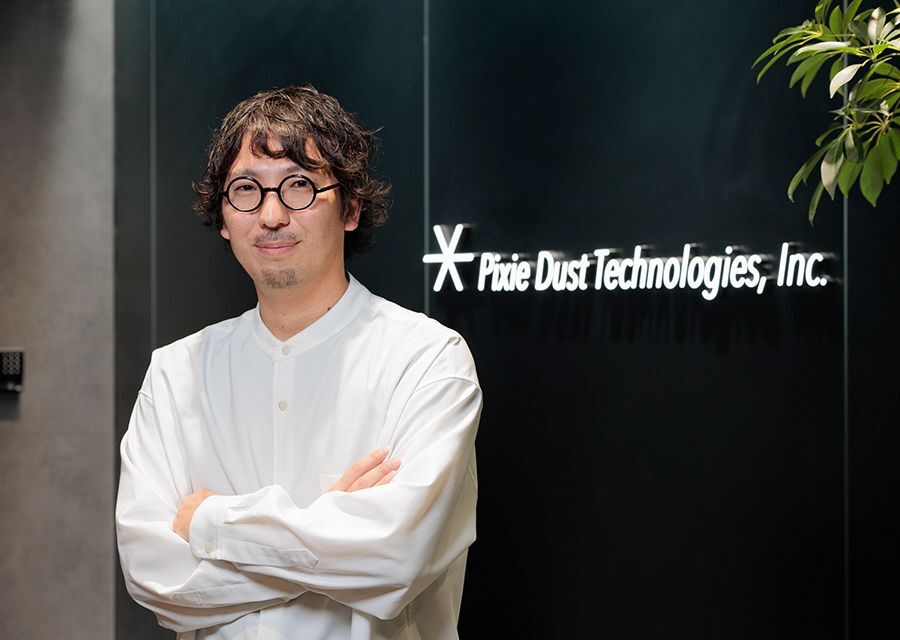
(224, 232)
(351, 222)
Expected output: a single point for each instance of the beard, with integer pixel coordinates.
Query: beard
(276, 278)
(279, 278)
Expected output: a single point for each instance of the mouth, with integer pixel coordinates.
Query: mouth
(275, 248)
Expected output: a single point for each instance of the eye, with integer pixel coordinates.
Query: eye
(243, 187)
(298, 183)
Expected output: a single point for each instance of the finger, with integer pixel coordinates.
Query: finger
(371, 478)
(360, 468)
(387, 478)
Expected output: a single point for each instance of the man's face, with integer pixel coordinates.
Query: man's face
(278, 247)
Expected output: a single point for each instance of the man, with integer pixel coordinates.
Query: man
(241, 512)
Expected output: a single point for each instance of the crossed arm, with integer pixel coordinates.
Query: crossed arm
(209, 559)
(372, 470)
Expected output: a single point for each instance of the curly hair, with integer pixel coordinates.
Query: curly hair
(292, 115)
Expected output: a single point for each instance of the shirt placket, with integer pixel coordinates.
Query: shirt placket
(283, 405)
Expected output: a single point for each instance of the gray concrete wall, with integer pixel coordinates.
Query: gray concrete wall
(56, 300)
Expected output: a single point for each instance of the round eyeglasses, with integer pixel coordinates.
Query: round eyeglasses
(296, 192)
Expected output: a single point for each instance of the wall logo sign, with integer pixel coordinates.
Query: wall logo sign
(609, 269)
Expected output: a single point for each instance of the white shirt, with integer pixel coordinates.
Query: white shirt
(270, 426)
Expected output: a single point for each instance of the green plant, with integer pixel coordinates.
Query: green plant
(863, 142)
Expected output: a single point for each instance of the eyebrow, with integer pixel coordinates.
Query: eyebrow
(293, 168)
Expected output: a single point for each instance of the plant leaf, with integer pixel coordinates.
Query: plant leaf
(895, 139)
(887, 69)
(874, 89)
(858, 29)
(814, 202)
(835, 67)
(791, 31)
(811, 63)
(775, 47)
(871, 180)
(876, 24)
(836, 20)
(804, 171)
(852, 148)
(842, 77)
(831, 45)
(849, 173)
(888, 159)
(769, 64)
(851, 11)
(834, 126)
(811, 74)
(831, 165)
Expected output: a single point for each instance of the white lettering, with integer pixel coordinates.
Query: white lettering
(795, 268)
(756, 278)
(485, 266)
(601, 255)
(611, 277)
(685, 258)
(544, 276)
(708, 274)
(726, 266)
(639, 270)
(695, 272)
(712, 277)
(654, 279)
(781, 263)
(624, 281)
(811, 280)
(738, 270)
(672, 274)
(583, 265)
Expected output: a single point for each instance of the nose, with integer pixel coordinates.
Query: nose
(273, 214)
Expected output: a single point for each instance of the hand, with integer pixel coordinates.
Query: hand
(182, 523)
(369, 471)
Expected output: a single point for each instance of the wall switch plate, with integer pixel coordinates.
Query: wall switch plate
(12, 369)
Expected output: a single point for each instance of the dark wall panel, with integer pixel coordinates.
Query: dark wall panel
(874, 413)
(651, 464)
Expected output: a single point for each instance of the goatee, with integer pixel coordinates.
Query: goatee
(279, 278)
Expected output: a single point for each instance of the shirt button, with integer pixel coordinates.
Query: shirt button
(286, 349)
(208, 548)
(282, 405)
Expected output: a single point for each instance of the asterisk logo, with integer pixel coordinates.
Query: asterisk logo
(447, 257)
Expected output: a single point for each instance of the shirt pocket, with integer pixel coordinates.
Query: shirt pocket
(327, 480)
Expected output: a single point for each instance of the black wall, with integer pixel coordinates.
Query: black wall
(651, 464)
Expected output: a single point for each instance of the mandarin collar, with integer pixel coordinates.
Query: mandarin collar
(334, 320)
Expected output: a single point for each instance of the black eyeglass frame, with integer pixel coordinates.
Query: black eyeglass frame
(264, 190)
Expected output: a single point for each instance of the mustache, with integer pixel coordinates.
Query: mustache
(275, 237)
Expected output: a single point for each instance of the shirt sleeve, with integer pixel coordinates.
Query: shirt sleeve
(161, 573)
(374, 549)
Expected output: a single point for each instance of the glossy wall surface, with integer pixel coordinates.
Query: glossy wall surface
(651, 464)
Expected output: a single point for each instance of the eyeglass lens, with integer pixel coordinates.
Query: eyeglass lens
(246, 194)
